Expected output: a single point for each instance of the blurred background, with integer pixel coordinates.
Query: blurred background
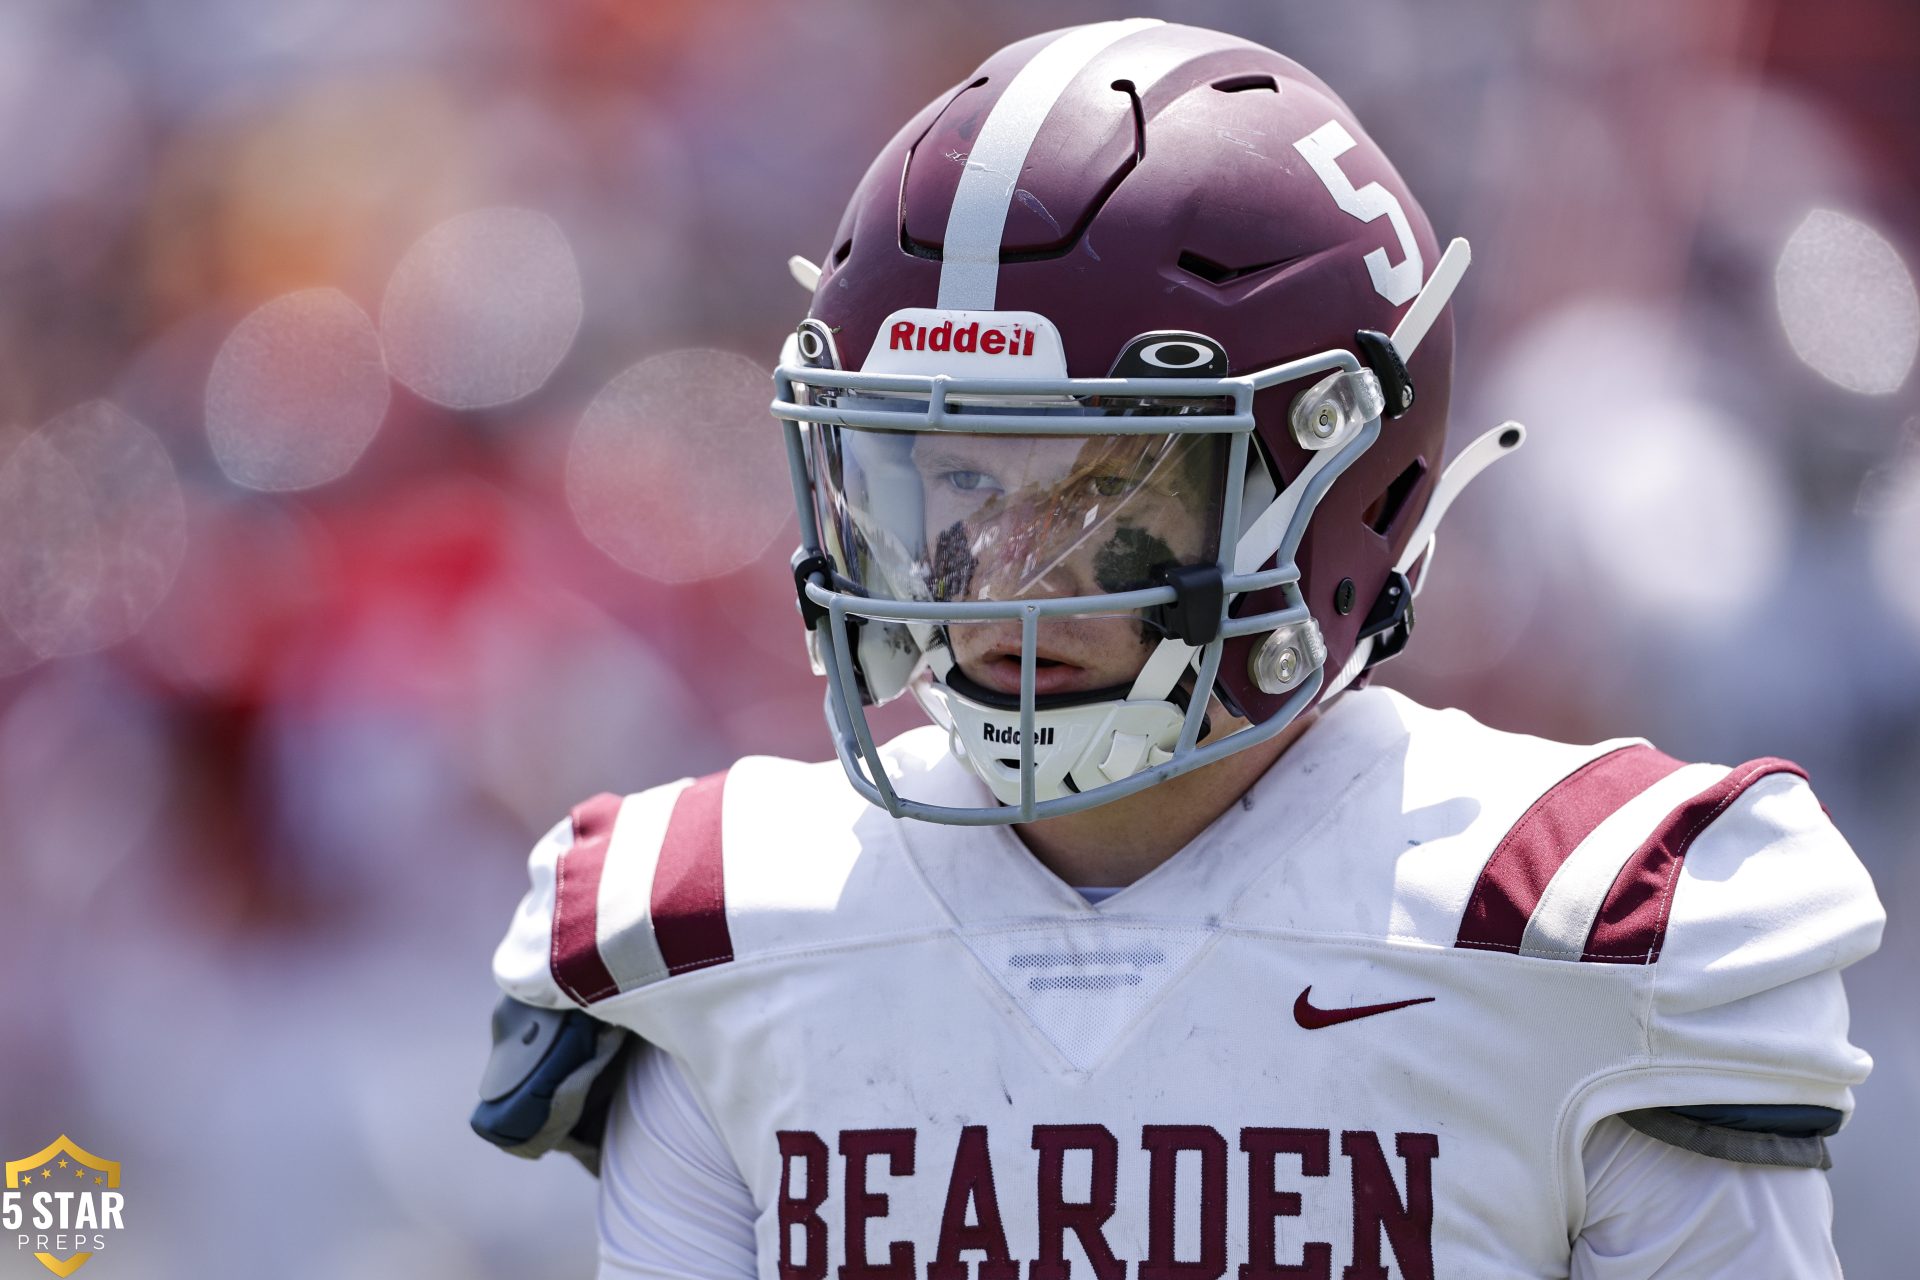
(384, 468)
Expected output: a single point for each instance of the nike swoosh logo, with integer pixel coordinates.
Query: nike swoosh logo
(1313, 1019)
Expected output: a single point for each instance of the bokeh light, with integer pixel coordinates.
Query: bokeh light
(1848, 304)
(482, 308)
(1664, 508)
(297, 392)
(677, 471)
(139, 513)
(1684, 518)
(92, 530)
(49, 546)
(15, 654)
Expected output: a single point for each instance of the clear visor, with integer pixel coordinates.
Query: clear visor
(960, 516)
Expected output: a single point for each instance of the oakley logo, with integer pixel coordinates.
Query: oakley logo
(1176, 354)
(1313, 1019)
(987, 340)
(1011, 737)
(1171, 353)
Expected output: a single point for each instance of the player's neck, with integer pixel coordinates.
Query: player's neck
(1115, 844)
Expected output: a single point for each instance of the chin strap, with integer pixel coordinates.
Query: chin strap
(1472, 460)
(1433, 297)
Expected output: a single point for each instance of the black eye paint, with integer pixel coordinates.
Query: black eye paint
(953, 563)
(1123, 562)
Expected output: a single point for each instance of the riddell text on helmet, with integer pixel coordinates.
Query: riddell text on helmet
(905, 335)
(1269, 1174)
(1011, 736)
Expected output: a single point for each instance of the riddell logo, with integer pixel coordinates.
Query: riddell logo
(988, 340)
(930, 341)
(1011, 737)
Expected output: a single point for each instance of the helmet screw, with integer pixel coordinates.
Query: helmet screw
(1287, 665)
(1343, 596)
(1286, 657)
(1326, 422)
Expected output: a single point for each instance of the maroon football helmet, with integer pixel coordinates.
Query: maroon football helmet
(1190, 238)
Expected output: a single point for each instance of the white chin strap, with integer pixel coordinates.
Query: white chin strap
(1472, 460)
(1076, 748)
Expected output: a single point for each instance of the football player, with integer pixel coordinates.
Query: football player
(1171, 949)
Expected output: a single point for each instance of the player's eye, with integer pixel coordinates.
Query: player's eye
(969, 481)
(1111, 486)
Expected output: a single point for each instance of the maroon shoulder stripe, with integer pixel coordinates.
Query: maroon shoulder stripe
(689, 904)
(1516, 875)
(1632, 923)
(577, 967)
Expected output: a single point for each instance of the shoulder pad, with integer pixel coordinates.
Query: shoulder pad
(768, 857)
(1733, 890)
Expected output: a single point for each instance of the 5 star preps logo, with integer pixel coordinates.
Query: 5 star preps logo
(63, 1204)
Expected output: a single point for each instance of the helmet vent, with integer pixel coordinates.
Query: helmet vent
(1139, 119)
(1385, 510)
(1218, 273)
(1240, 84)
(840, 254)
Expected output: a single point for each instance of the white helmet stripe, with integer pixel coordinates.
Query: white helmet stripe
(970, 255)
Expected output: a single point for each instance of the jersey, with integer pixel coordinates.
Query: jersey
(1365, 1020)
(673, 1205)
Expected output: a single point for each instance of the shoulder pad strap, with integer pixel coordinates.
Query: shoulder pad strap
(1792, 1137)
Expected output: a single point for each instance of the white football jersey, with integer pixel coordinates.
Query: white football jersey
(1361, 1025)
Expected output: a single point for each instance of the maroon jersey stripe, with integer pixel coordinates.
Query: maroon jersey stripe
(1516, 875)
(1632, 923)
(689, 905)
(577, 967)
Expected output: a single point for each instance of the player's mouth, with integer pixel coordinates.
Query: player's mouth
(1052, 672)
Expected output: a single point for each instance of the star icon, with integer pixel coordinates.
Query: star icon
(26, 1178)
(46, 1173)
(78, 1173)
(98, 1180)
(63, 1164)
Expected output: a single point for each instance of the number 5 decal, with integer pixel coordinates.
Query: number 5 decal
(1323, 148)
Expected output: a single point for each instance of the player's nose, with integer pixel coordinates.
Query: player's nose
(1034, 553)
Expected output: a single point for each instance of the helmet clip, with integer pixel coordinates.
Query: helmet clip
(1381, 356)
(805, 566)
(1198, 592)
(1389, 623)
